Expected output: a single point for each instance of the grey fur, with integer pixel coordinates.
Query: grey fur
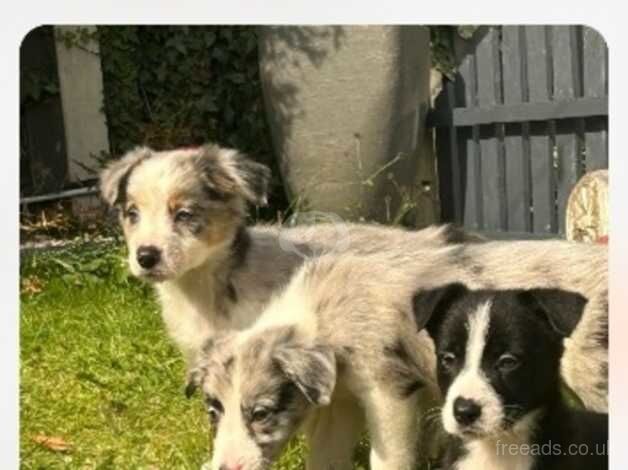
(346, 344)
(229, 286)
(361, 306)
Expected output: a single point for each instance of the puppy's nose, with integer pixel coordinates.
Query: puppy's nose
(466, 411)
(148, 256)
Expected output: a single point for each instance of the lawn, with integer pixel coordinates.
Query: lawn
(101, 385)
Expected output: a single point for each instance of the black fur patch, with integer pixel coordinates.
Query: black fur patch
(287, 394)
(208, 345)
(231, 292)
(121, 196)
(240, 247)
(527, 326)
(219, 185)
(256, 176)
(466, 262)
(400, 369)
(228, 364)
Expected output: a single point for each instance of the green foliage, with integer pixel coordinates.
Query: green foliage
(80, 36)
(173, 86)
(98, 371)
(170, 86)
(442, 46)
(84, 266)
(37, 86)
(38, 81)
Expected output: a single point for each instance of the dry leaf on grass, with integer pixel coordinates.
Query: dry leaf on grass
(31, 285)
(53, 443)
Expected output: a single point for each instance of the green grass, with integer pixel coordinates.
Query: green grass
(98, 371)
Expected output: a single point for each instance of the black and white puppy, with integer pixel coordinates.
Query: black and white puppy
(498, 368)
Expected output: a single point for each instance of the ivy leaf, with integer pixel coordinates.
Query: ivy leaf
(207, 103)
(210, 39)
(229, 115)
(236, 78)
(219, 54)
(179, 46)
(161, 73)
(51, 88)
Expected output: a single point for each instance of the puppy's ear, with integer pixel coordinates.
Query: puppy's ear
(114, 178)
(563, 309)
(228, 172)
(311, 369)
(202, 363)
(430, 305)
(194, 379)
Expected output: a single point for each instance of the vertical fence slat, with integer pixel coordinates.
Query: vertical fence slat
(448, 159)
(468, 147)
(595, 79)
(489, 94)
(538, 75)
(566, 86)
(517, 165)
(517, 176)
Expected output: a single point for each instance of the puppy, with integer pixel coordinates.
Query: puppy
(498, 367)
(332, 354)
(183, 216)
(183, 213)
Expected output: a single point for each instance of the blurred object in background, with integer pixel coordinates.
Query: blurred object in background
(43, 159)
(587, 209)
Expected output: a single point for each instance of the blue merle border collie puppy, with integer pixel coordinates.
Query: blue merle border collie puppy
(498, 369)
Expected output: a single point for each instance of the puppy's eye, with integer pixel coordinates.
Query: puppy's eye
(183, 215)
(133, 214)
(260, 413)
(214, 409)
(507, 362)
(448, 360)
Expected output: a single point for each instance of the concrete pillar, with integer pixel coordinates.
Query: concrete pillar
(81, 86)
(347, 106)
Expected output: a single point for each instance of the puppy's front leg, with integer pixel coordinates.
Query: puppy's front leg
(393, 429)
(332, 434)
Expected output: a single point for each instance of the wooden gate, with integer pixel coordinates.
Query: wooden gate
(525, 117)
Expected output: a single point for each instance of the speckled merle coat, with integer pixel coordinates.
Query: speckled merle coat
(211, 273)
(186, 209)
(342, 337)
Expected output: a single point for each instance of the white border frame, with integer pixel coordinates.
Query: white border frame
(605, 16)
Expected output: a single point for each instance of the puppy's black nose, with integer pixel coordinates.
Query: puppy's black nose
(466, 411)
(148, 256)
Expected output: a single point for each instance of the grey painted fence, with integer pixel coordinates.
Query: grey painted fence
(525, 117)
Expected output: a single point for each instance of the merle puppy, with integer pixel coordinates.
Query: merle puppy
(498, 367)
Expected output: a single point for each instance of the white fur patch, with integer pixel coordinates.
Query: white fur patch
(472, 383)
(505, 451)
(233, 445)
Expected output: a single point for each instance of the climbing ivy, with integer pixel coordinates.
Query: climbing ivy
(170, 86)
(442, 47)
(173, 86)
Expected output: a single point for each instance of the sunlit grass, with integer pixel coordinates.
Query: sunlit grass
(98, 372)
